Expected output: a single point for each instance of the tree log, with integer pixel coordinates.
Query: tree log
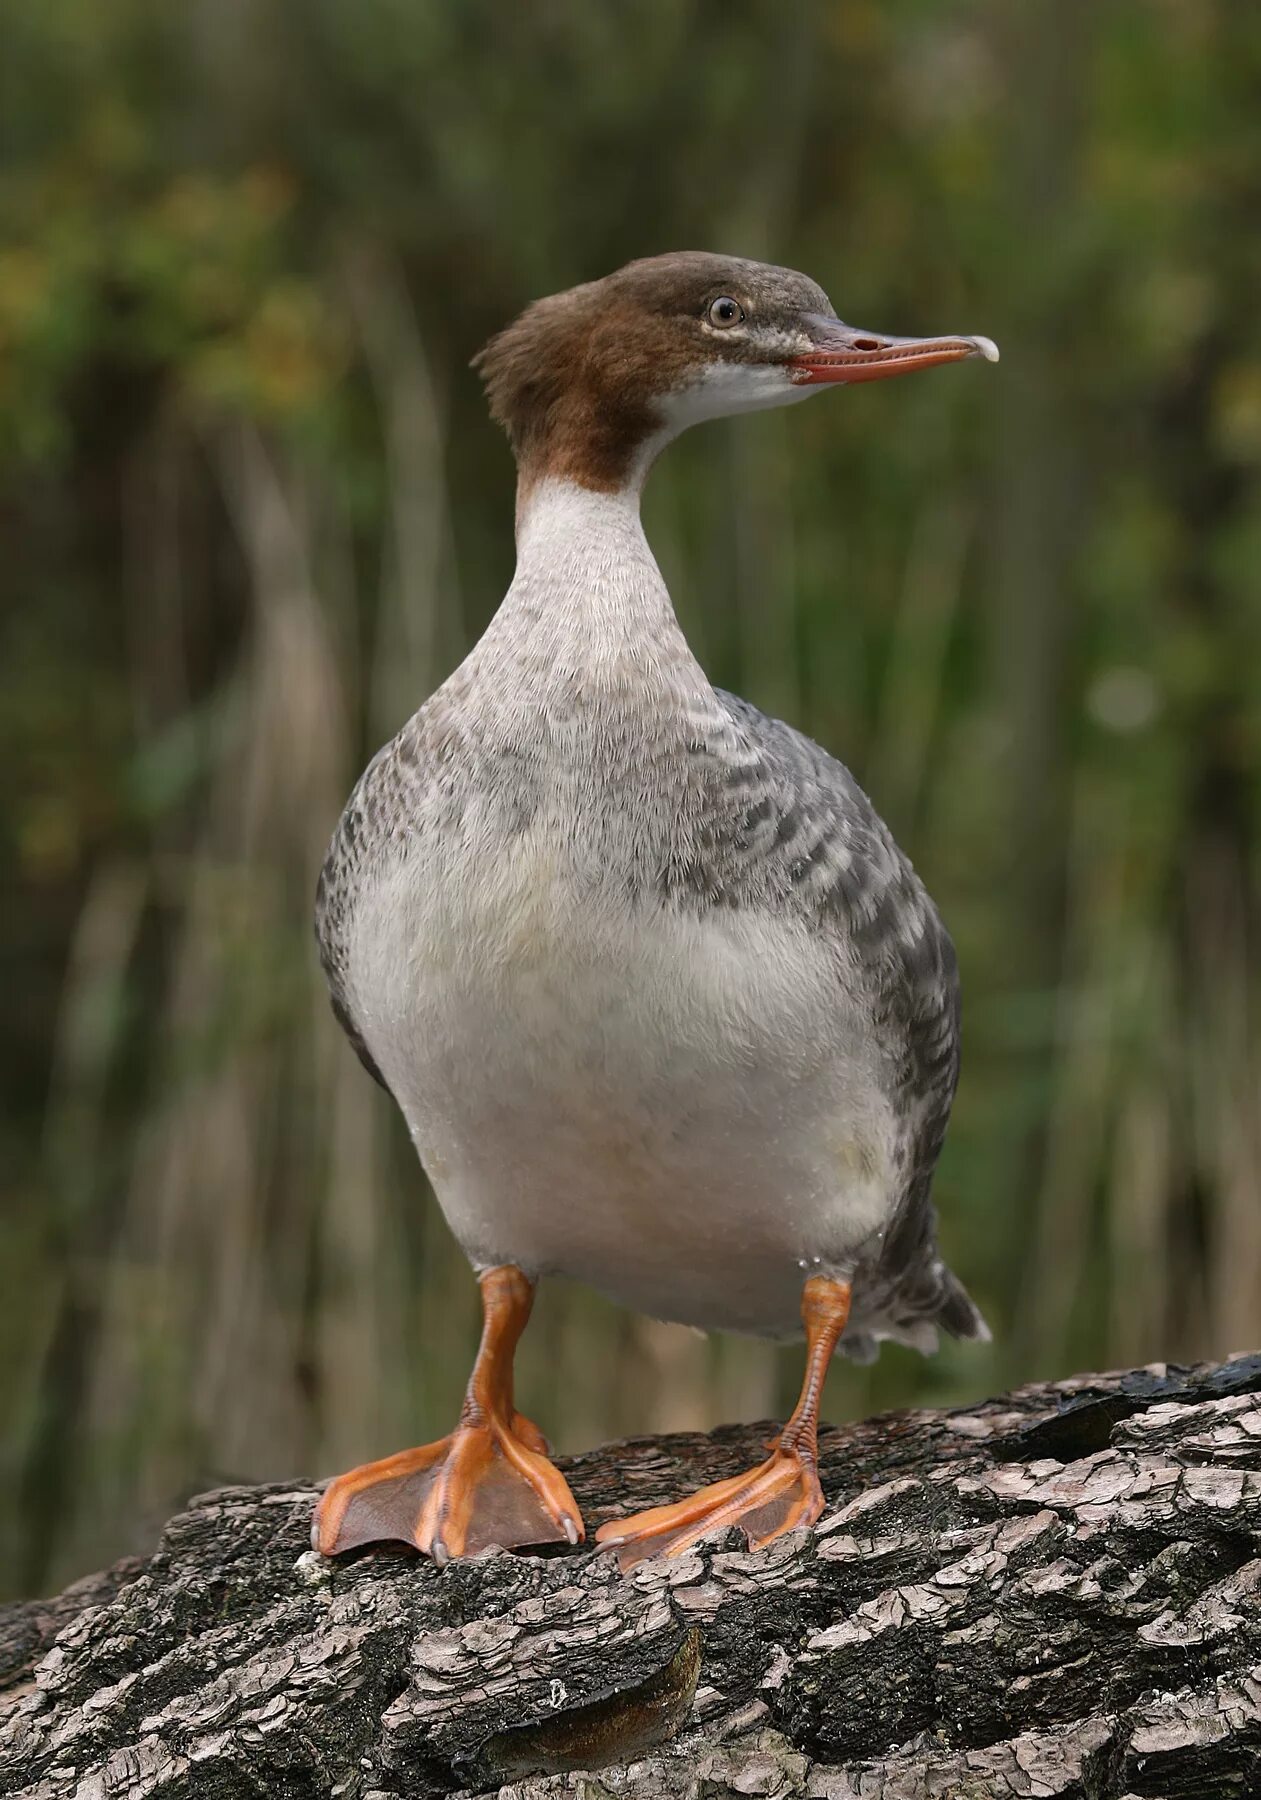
(1054, 1593)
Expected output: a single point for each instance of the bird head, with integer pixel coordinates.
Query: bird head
(589, 384)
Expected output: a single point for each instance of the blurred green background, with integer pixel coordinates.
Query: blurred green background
(253, 510)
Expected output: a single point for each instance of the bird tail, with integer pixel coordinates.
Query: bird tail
(915, 1295)
(958, 1313)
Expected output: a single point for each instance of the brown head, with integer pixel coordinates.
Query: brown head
(590, 383)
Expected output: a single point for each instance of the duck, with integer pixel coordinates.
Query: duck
(664, 1007)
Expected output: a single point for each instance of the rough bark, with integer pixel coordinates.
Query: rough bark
(1055, 1593)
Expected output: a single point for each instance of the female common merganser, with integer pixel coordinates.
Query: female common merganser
(664, 1006)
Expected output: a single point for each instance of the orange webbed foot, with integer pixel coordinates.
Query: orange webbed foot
(490, 1482)
(782, 1493)
(778, 1496)
(487, 1483)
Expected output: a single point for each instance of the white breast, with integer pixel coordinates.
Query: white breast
(668, 1107)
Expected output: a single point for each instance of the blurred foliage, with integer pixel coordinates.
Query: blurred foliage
(253, 511)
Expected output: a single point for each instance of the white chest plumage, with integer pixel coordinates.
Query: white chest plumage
(673, 1105)
(657, 1105)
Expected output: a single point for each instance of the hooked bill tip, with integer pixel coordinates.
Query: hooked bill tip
(987, 347)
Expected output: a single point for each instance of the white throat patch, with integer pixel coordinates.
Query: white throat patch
(725, 388)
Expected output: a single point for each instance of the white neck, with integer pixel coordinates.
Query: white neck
(588, 601)
(558, 517)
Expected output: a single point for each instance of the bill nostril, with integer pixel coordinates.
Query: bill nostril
(867, 343)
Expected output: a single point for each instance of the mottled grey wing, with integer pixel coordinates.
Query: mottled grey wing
(797, 817)
(340, 880)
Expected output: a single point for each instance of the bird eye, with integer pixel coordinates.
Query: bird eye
(725, 311)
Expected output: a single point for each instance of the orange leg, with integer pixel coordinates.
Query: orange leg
(488, 1483)
(777, 1496)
